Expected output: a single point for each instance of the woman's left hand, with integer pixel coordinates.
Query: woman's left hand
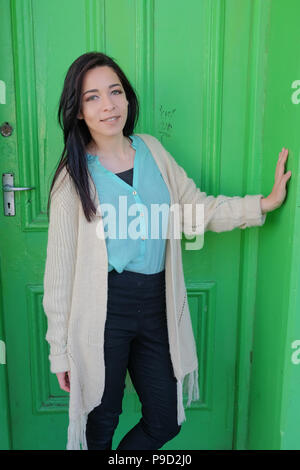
(277, 196)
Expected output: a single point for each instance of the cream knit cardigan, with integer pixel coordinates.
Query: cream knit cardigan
(75, 285)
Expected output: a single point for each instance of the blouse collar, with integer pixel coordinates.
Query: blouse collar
(92, 158)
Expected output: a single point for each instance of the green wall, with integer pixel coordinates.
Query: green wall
(274, 407)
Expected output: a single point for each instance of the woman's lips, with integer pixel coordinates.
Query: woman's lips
(111, 122)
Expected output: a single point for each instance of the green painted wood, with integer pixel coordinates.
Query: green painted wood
(274, 411)
(7, 153)
(259, 13)
(214, 81)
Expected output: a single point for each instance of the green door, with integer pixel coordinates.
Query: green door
(192, 67)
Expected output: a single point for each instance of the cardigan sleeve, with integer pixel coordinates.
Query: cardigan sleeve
(58, 277)
(221, 213)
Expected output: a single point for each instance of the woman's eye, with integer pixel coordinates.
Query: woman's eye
(90, 98)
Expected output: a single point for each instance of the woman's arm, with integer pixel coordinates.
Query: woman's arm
(224, 213)
(59, 274)
(221, 213)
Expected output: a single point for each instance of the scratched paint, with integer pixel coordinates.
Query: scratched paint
(166, 122)
(2, 92)
(2, 352)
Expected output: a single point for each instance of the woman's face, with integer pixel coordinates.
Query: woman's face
(103, 97)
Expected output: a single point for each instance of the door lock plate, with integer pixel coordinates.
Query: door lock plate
(9, 198)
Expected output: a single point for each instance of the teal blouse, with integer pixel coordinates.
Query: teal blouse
(135, 218)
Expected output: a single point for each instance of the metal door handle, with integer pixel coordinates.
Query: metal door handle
(9, 187)
(8, 193)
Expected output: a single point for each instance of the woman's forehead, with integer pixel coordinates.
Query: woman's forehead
(103, 76)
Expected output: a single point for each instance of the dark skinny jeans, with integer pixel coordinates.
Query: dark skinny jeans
(136, 338)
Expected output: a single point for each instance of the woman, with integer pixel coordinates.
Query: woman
(118, 302)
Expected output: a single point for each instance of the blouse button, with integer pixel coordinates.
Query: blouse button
(134, 192)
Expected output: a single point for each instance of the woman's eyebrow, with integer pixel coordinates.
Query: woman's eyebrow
(95, 89)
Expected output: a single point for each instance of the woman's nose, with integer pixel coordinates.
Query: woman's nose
(107, 102)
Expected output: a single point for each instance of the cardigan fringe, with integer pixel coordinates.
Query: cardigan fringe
(77, 427)
(193, 393)
(77, 433)
(193, 388)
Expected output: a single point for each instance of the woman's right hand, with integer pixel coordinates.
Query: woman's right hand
(64, 379)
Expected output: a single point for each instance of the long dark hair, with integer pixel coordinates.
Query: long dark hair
(76, 132)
